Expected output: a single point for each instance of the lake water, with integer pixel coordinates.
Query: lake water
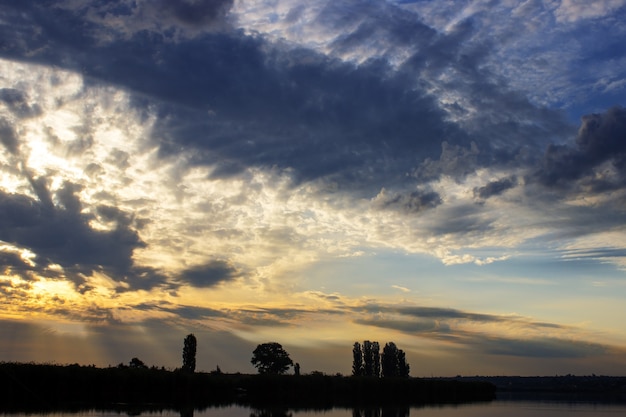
(495, 408)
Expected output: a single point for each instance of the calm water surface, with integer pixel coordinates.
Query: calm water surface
(495, 408)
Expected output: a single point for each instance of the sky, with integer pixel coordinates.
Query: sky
(446, 175)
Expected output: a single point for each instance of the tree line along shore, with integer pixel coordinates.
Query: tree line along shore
(377, 378)
(49, 386)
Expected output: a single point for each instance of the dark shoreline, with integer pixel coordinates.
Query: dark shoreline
(44, 387)
(41, 386)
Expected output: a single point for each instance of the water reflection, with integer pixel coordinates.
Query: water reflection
(498, 408)
(271, 412)
(381, 412)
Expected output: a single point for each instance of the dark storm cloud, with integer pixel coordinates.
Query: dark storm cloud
(413, 202)
(17, 102)
(62, 235)
(311, 114)
(240, 101)
(12, 261)
(465, 219)
(598, 159)
(210, 274)
(194, 13)
(247, 102)
(495, 188)
(8, 137)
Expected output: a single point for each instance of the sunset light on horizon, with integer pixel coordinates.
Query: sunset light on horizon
(446, 175)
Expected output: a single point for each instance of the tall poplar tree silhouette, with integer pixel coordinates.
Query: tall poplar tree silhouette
(189, 353)
(357, 360)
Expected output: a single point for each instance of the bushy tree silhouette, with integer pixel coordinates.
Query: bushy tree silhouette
(137, 363)
(189, 353)
(394, 362)
(271, 358)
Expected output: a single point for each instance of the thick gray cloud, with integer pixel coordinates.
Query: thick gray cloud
(18, 103)
(8, 137)
(61, 235)
(598, 159)
(247, 102)
(411, 202)
(495, 188)
(194, 13)
(233, 101)
(12, 262)
(210, 274)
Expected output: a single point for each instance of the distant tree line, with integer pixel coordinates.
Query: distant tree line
(368, 361)
(136, 383)
(272, 358)
(33, 386)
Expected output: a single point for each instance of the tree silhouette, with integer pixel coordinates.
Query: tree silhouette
(368, 359)
(137, 363)
(390, 360)
(376, 358)
(271, 358)
(403, 365)
(357, 361)
(189, 353)
(394, 362)
(371, 358)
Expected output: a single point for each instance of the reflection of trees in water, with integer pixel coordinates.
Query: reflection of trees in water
(271, 412)
(381, 412)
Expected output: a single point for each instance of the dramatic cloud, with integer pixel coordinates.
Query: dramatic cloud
(495, 188)
(412, 203)
(61, 235)
(598, 159)
(171, 19)
(316, 171)
(210, 274)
